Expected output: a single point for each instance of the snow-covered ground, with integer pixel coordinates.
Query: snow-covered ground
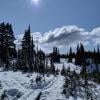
(22, 86)
(54, 91)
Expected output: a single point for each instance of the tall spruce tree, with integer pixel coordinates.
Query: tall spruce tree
(70, 55)
(32, 54)
(27, 51)
(80, 55)
(55, 55)
(7, 46)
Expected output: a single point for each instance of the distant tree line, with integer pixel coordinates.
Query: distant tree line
(82, 56)
(55, 55)
(27, 58)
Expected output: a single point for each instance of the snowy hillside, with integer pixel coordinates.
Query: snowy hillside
(23, 86)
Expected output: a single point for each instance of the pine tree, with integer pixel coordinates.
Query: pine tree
(80, 55)
(63, 71)
(55, 56)
(19, 59)
(52, 67)
(70, 55)
(6, 43)
(32, 55)
(2, 33)
(27, 51)
(77, 56)
(12, 49)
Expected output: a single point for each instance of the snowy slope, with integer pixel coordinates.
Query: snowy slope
(24, 85)
(54, 92)
(16, 82)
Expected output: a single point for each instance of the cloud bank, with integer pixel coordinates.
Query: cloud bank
(64, 37)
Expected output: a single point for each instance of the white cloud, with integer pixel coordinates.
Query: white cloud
(65, 36)
(96, 32)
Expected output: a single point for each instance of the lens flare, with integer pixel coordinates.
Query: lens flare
(35, 1)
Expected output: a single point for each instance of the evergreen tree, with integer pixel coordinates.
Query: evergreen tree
(70, 55)
(55, 56)
(77, 56)
(32, 55)
(7, 46)
(52, 67)
(19, 59)
(27, 51)
(63, 71)
(80, 57)
(12, 49)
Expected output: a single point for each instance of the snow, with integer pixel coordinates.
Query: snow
(67, 65)
(17, 82)
(22, 86)
(54, 91)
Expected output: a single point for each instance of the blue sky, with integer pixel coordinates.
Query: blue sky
(50, 14)
(61, 23)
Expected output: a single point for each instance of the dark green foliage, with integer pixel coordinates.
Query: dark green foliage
(55, 56)
(0, 85)
(26, 43)
(26, 54)
(7, 46)
(52, 68)
(77, 85)
(3, 96)
(70, 55)
(38, 79)
(63, 71)
(70, 84)
(80, 55)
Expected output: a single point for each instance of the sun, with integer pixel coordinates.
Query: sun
(35, 1)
